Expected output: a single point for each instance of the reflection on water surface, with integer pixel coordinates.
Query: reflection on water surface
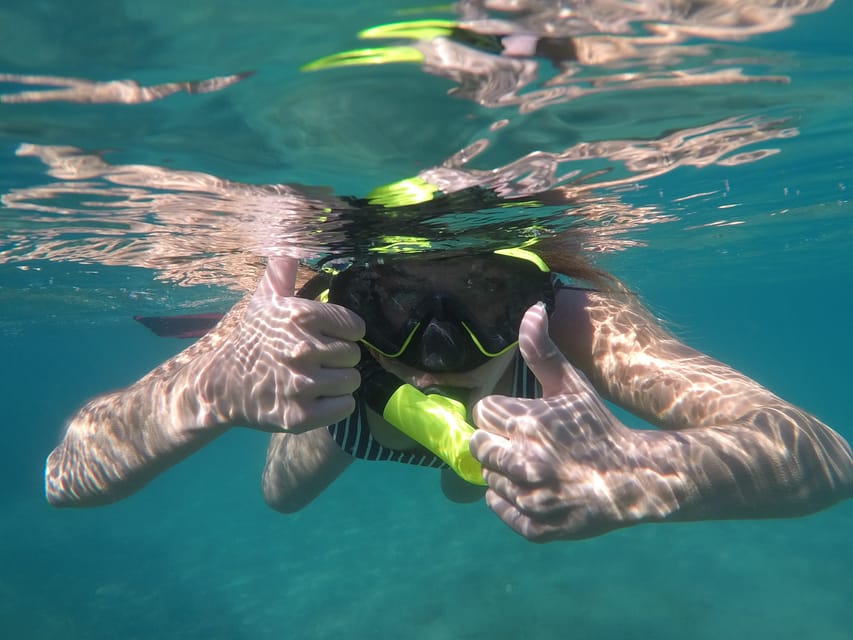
(573, 109)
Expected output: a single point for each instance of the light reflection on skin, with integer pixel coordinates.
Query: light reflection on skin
(557, 467)
(112, 92)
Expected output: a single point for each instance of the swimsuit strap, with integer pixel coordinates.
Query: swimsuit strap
(524, 382)
(353, 435)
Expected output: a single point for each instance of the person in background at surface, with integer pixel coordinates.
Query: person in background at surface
(480, 328)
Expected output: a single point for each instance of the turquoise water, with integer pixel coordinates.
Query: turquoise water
(726, 208)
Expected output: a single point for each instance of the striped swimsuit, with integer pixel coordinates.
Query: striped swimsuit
(353, 435)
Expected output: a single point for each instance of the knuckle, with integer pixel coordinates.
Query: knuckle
(480, 444)
(298, 350)
(495, 409)
(538, 471)
(527, 504)
(343, 315)
(298, 310)
(298, 384)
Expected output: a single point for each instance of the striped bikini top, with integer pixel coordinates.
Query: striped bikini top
(353, 435)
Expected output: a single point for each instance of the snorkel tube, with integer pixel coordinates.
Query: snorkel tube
(433, 421)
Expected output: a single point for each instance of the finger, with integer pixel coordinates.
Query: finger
(519, 522)
(504, 487)
(331, 409)
(295, 317)
(330, 382)
(319, 412)
(490, 450)
(539, 351)
(553, 370)
(336, 354)
(501, 457)
(339, 322)
(279, 277)
(536, 500)
(495, 414)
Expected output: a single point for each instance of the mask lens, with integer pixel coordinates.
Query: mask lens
(451, 307)
(388, 307)
(440, 346)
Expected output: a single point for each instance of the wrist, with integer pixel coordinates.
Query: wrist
(200, 397)
(664, 487)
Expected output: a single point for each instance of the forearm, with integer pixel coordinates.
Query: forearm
(632, 361)
(776, 462)
(564, 467)
(119, 441)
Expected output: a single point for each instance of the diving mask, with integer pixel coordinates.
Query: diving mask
(443, 314)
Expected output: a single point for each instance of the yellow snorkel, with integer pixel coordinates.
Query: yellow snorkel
(433, 421)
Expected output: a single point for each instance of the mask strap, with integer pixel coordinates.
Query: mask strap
(316, 287)
(524, 254)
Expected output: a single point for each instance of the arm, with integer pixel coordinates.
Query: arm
(274, 363)
(564, 467)
(633, 362)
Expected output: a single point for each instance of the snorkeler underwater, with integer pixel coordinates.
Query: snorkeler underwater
(481, 308)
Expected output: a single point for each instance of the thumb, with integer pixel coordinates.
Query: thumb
(554, 372)
(279, 278)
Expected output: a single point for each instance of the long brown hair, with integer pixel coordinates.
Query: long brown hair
(564, 254)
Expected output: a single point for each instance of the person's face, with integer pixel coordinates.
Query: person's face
(448, 321)
(466, 386)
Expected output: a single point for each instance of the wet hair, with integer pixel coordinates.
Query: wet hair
(564, 255)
